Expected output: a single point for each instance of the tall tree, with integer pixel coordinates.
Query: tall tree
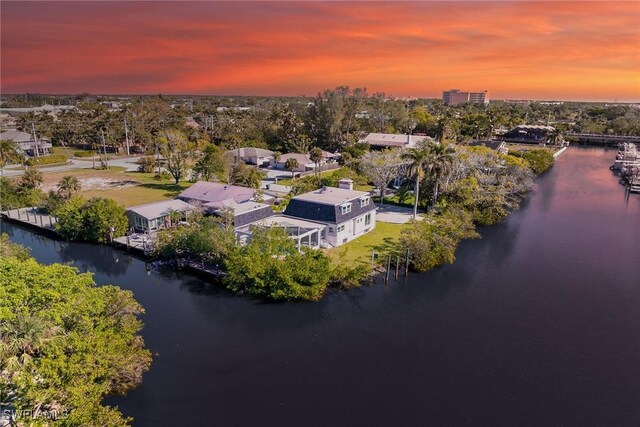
(439, 165)
(178, 152)
(418, 160)
(381, 167)
(316, 156)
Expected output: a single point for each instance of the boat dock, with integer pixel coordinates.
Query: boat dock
(32, 218)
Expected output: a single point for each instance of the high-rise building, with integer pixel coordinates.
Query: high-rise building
(457, 97)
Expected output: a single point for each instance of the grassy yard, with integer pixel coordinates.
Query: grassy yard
(359, 250)
(126, 188)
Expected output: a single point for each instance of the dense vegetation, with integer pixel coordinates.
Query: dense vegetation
(268, 265)
(94, 220)
(65, 343)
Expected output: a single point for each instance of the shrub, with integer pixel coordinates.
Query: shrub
(270, 266)
(147, 164)
(91, 220)
(434, 240)
(13, 195)
(47, 160)
(162, 176)
(83, 154)
(539, 160)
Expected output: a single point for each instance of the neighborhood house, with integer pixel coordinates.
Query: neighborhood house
(252, 155)
(346, 213)
(154, 216)
(214, 195)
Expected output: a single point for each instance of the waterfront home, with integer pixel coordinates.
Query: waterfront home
(347, 213)
(252, 155)
(393, 140)
(150, 217)
(305, 233)
(214, 195)
(529, 134)
(26, 143)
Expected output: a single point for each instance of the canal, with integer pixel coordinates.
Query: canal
(537, 323)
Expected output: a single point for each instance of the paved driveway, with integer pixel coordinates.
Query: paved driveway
(395, 214)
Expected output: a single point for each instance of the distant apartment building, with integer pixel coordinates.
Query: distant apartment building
(457, 97)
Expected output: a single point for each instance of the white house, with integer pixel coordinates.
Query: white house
(252, 155)
(154, 216)
(346, 213)
(26, 143)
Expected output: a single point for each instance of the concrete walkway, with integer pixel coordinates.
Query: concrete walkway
(395, 214)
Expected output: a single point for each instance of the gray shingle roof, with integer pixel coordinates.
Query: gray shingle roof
(214, 193)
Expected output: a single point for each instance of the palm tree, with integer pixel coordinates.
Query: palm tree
(8, 153)
(440, 164)
(316, 155)
(68, 186)
(291, 165)
(32, 178)
(418, 160)
(21, 338)
(554, 136)
(442, 128)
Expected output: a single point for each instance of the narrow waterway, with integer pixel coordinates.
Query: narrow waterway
(537, 323)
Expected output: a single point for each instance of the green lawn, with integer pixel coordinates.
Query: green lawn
(145, 188)
(379, 240)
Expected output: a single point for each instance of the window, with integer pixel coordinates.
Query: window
(330, 230)
(345, 209)
(340, 228)
(364, 202)
(367, 219)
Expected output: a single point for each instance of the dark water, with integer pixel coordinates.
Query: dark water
(536, 324)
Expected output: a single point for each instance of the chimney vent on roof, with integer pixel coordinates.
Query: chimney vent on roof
(345, 183)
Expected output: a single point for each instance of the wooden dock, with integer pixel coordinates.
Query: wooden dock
(32, 218)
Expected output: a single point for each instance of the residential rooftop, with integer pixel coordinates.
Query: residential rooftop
(160, 209)
(331, 196)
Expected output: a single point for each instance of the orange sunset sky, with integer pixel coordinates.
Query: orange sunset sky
(532, 50)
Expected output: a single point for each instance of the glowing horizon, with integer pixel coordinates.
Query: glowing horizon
(583, 51)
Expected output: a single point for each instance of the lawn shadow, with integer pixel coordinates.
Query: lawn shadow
(171, 190)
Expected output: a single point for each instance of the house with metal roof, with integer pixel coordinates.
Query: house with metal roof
(26, 142)
(215, 195)
(393, 140)
(529, 134)
(151, 217)
(252, 155)
(347, 213)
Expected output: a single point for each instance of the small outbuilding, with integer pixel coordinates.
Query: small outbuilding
(155, 216)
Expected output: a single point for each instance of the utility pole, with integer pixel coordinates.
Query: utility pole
(126, 135)
(104, 148)
(35, 139)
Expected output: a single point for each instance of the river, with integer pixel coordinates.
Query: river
(537, 323)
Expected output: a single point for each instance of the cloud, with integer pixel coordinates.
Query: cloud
(532, 49)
